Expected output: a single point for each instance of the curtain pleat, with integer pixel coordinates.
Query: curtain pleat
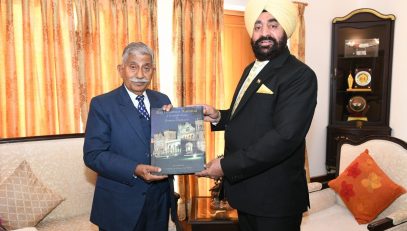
(297, 48)
(297, 40)
(197, 39)
(56, 55)
(38, 74)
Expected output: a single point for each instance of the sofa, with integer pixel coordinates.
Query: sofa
(56, 164)
(330, 212)
(57, 161)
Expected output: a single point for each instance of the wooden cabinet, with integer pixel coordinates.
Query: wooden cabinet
(360, 80)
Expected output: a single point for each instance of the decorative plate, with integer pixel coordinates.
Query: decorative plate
(363, 78)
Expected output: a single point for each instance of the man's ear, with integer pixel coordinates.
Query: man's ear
(119, 68)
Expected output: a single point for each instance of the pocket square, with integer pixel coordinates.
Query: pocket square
(264, 90)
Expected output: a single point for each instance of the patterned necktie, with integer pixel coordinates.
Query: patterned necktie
(246, 84)
(142, 107)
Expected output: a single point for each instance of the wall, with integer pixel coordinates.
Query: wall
(318, 18)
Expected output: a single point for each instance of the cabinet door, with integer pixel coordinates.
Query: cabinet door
(361, 70)
(362, 51)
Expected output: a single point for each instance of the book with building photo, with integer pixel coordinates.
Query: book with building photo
(177, 140)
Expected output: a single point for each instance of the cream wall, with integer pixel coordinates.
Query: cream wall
(318, 18)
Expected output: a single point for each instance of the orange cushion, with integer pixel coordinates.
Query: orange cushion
(365, 188)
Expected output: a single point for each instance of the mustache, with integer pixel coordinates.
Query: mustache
(262, 38)
(138, 80)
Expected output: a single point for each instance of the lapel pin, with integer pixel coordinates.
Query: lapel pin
(258, 81)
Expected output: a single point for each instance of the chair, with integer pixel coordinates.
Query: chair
(328, 212)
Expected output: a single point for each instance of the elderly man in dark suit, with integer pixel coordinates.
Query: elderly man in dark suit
(117, 146)
(265, 126)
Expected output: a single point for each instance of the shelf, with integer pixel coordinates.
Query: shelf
(358, 57)
(359, 90)
(353, 92)
(353, 118)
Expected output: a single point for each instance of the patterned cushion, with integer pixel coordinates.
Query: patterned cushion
(365, 188)
(24, 199)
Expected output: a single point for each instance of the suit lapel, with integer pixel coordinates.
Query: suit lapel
(265, 74)
(130, 112)
(154, 101)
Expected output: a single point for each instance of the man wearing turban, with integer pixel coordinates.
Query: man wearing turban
(265, 126)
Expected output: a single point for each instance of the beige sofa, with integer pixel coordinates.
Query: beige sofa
(328, 212)
(57, 161)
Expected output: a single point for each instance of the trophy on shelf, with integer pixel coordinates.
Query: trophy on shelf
(350, 82)
(361, 81)
(362, 47)
(357, 108)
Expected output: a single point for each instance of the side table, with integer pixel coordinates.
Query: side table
(204, 218)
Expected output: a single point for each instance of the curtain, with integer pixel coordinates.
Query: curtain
(56, 55)
(297, 40)
(104, 28)
(297, 48)
(197, 38)
(38, 94)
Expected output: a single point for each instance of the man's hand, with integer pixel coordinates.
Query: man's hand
(211, 114)
(212, 170)
(144, 171)
(167, 107)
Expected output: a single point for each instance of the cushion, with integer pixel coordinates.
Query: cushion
(24, 199)
(1, 226)
(365, 189)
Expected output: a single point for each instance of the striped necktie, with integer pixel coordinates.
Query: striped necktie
(142, 107)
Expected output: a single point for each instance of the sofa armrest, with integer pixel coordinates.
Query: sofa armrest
(322, 199)
(391, 220)
(314, 186)
(26, 229)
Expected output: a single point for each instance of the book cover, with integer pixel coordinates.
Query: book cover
(177, 140)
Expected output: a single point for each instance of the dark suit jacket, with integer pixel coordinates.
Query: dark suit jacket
(115, 142)
(265, 140)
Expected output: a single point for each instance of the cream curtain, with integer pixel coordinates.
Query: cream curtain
(297, 40)
(197, 26)
(56, 55)
(104, 28)
(36, 59)
(297, 48)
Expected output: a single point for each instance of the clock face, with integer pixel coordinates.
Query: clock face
(357, 104)
(363, 78)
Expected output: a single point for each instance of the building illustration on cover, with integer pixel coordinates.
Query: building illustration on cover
(177, 140)
(187, 140)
